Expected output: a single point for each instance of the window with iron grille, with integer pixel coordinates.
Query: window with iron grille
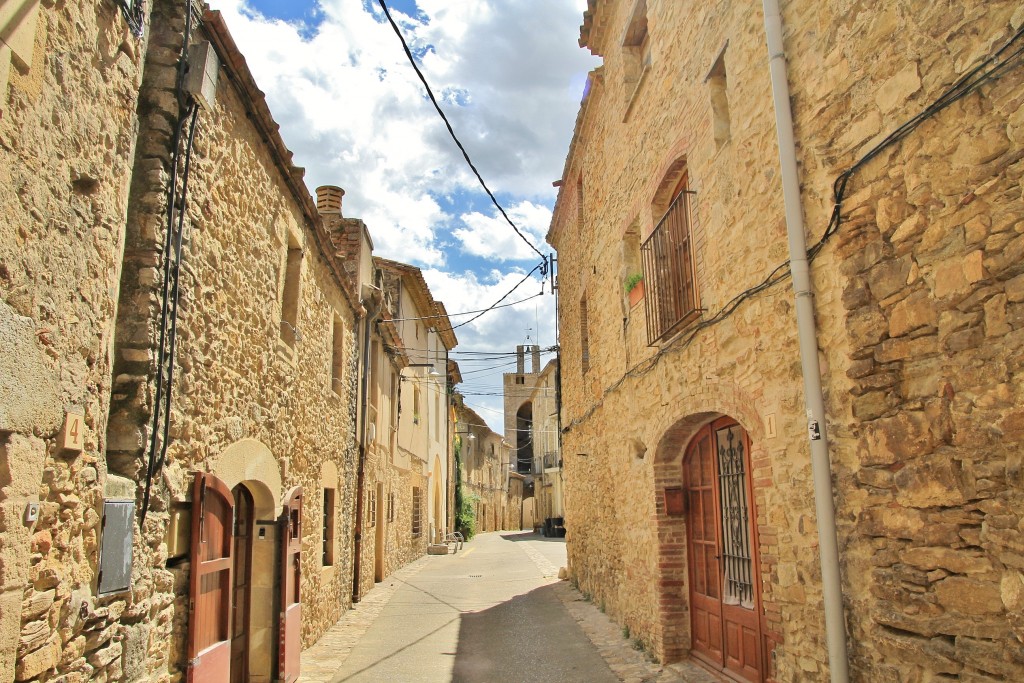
(416, 527)
(328, 529)
(667, 254)
(371, 508)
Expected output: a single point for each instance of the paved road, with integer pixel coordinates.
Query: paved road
(489, 613)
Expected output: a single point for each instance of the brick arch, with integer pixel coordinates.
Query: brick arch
(709, 402)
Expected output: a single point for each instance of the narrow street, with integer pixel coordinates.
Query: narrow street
(495, 611)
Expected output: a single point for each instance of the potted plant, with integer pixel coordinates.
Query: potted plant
(635, 288)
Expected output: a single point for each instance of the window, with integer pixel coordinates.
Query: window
(636, 50)
(416, 527)
(718, 86)
(579, 202)
(632, 269)
(667, 254)
(290, 300)
(416, 406)
(338, 357)
(371, 508)
(328, 529)
(391, 507)
(584, 337)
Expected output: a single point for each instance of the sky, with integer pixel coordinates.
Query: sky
(510, 76)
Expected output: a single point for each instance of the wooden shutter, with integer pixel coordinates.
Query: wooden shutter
(209, 633)
(290, 616)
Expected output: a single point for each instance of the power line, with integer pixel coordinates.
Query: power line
(537, 267)
(450, 315)
(451, 131)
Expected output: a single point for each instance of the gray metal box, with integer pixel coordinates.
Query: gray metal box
(203, 68)
(117, 530)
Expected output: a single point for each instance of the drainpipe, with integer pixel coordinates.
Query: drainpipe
(375, 297)
(832, 596)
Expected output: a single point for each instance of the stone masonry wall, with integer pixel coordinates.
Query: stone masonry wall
(630, 416)
(64, 174)
(239, 376)
(916, 299)
(921, 324)
(236, 379)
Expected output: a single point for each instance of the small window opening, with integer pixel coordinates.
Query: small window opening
(290, 301)
(718, 85)
(416, 527)
(338, 357)
(328, 528)
(584, 336)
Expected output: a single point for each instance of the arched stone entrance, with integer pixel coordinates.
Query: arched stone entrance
(249, 469)
(684, 621)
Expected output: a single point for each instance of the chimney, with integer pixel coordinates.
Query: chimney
(328, 199)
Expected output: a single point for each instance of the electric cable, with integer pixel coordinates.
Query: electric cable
(435, 317)
(508, 294)
(451, 131)
(170, 293)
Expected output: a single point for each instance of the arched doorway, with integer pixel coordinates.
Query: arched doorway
(722, 551)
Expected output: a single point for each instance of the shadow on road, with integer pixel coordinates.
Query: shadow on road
(518, 536)
(528, 638)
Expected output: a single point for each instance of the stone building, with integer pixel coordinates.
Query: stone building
(516, 390)
(182, 379)
(485, 473)
(689, 496)
(406, 482)
(548, 486)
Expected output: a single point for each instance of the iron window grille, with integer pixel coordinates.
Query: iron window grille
(416, 525)
(670, 290)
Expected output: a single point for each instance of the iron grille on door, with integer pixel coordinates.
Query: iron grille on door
(670, 291)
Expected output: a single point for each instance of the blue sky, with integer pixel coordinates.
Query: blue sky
(510, 76)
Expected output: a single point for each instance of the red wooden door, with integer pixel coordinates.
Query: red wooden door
(240, 600)
(209, 633)
(725, 601)
(700, 473)
(290, 617)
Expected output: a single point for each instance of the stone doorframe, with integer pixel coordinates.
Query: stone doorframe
(251, 463)
(708, 402)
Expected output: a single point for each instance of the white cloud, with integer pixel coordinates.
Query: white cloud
(353, 111)
(491, 237)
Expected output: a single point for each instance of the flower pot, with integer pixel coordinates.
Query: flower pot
(636, 294)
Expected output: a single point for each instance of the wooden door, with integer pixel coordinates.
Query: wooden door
(209, 633)
(244, 507)
(290, 615)
(700, 472)
(725, 600)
